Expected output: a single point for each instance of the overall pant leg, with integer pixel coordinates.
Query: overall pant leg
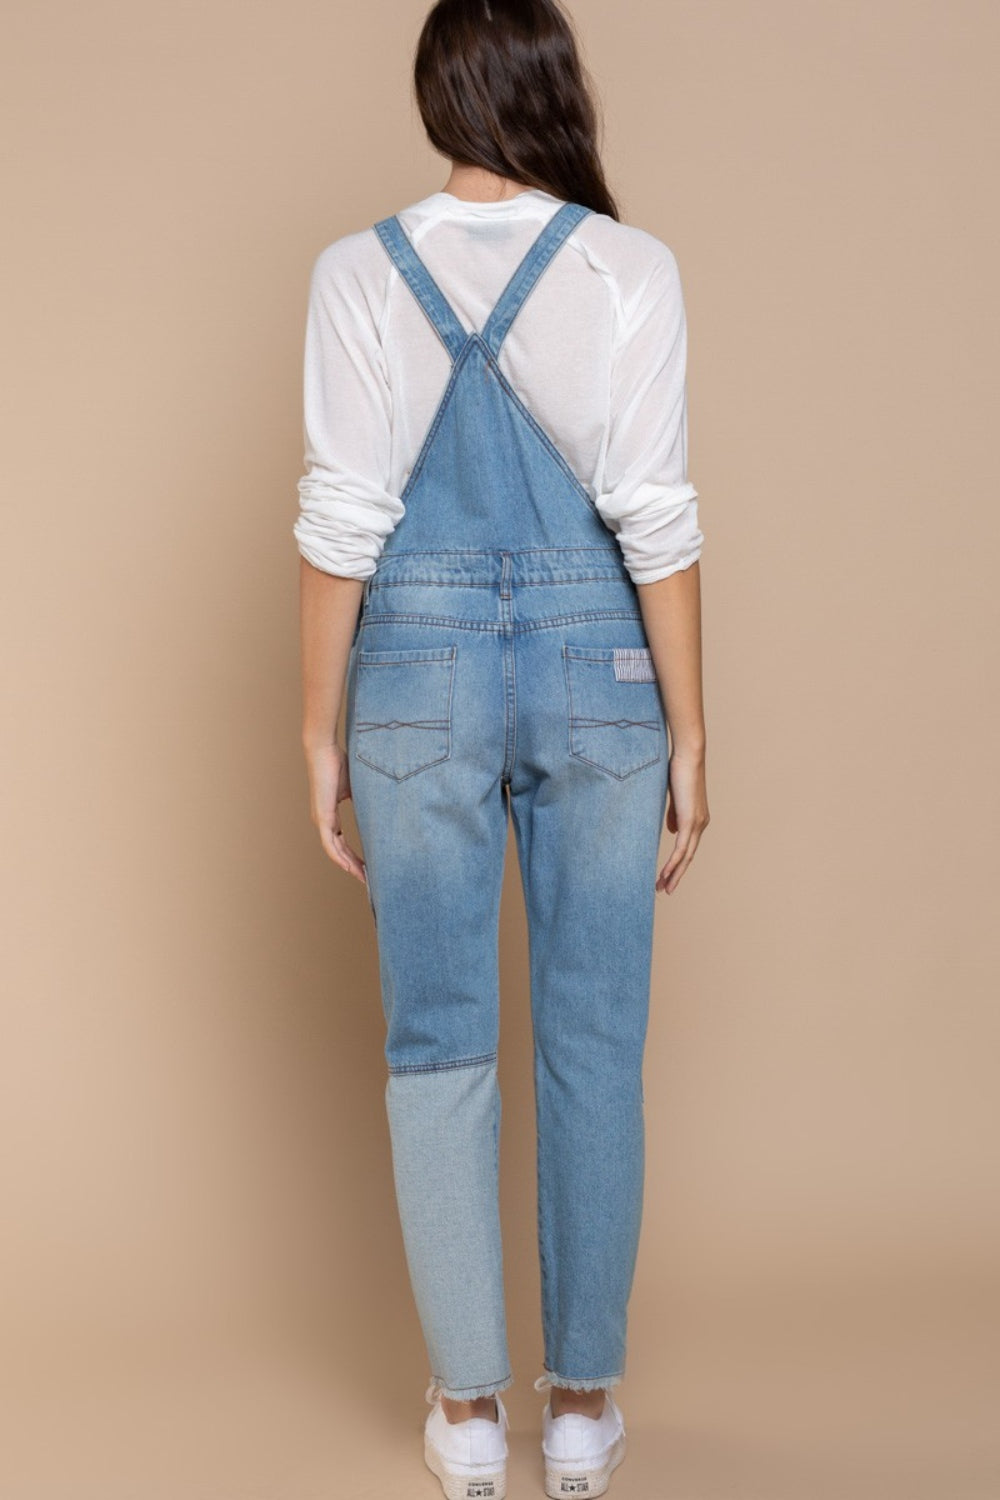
(588, 799)
(425, 740)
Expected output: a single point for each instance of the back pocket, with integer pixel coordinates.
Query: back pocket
(615, 714)
(402, 708)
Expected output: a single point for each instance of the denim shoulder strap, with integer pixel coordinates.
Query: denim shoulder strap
(422, 285)
(514, 295)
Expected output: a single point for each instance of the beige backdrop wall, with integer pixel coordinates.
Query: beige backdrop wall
(204, 1292)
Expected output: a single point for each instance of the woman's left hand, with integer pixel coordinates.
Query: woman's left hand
(329, 785)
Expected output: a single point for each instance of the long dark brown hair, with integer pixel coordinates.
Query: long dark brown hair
(500, 84)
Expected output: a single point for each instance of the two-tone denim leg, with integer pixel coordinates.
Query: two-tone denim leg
(432, 818)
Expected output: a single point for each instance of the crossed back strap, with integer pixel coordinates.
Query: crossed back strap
(437, 307)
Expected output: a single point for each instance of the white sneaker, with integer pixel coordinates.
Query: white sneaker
(470, 1457)
(580, 1452)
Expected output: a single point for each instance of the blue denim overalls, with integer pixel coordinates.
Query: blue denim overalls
(500, 659)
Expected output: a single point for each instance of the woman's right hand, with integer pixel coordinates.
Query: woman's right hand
(687, 815)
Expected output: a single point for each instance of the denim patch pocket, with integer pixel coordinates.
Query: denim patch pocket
(402, 708)
(615, 715)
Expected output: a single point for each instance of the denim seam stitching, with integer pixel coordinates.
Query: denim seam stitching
(609, 549)
(469, 583)
(396, 656)
(513, 734)
(517, 627)
(604, 654)
(440, 1067)
(495, 551)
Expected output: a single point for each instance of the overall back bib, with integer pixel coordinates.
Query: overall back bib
(499, 661)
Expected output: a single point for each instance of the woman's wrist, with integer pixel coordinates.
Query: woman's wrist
(688, 748)
(315, 741)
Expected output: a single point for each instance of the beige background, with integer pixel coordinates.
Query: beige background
(204, 1294)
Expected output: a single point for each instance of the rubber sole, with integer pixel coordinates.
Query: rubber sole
(563, 1481)
(485, 1485)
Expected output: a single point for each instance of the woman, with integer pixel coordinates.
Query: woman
(500, 578)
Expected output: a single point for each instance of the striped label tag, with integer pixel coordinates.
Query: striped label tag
(634, 664)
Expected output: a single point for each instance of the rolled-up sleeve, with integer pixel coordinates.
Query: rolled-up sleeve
(646, 497)
(346, 509)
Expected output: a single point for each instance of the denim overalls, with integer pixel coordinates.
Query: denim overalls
(499, 660)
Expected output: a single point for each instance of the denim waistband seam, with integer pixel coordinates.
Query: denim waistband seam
(496, 627)
(492, 583)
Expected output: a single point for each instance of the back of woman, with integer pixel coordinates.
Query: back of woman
(500, 547)
(598, 353)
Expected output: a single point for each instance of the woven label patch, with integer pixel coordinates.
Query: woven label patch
(634, 664)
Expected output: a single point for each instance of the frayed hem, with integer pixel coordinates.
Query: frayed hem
(592, 1383)
(470, 1392)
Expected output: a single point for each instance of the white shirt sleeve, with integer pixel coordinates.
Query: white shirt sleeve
(646, 497)
(346, 509)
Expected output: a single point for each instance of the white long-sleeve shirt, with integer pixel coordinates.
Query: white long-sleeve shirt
(597, 353)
